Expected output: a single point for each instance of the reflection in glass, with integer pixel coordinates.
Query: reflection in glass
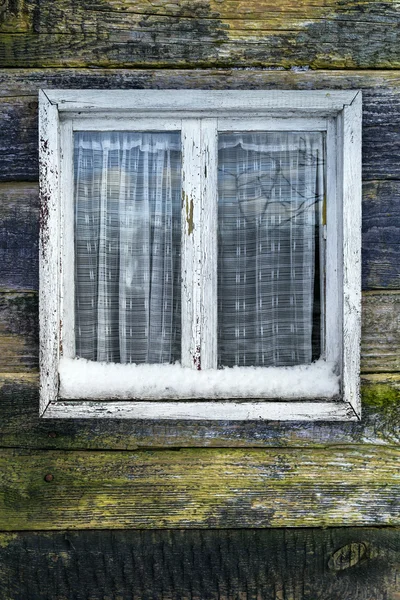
(270, 262)
(127, 246)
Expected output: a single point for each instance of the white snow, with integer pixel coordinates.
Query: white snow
(80, 378)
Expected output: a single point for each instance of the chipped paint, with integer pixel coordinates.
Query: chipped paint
(189, 208)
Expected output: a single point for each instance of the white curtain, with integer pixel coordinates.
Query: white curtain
(270, 269)
(127, 246)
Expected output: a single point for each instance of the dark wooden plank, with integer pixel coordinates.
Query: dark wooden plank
(124, 33)
(199, 488)
(381, 234)
(381, 87)
(19, 327)
(20, 425)
(19, 236)
(18, 111)
(302, 564)
(380, 341)
(19, 139)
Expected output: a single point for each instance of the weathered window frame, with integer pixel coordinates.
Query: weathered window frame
(196, 114)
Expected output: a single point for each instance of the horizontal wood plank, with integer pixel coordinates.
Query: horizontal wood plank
(19, 146)
(380, 340)
(19, 236)
(199, 488)
(380, 87)
(381, 235)
(18, 111)
(300, 564)
(20, 424)
(124, 33)
(19, 331)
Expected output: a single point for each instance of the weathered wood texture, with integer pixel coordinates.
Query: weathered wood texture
(346, 564)
(356, 34)
(380, 342)
(19, 236)
(199, 488)
(18, 106)
(19, 217)
(19, 328)
(20, 425)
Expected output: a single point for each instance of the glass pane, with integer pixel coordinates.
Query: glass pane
(270, 248)
(127, 246)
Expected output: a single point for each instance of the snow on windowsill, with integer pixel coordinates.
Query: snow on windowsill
(80, 378)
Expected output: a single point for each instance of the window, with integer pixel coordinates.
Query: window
(200, 254)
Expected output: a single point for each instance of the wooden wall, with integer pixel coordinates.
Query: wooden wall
(179, 510)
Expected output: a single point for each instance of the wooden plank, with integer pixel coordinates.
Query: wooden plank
(19, 335)
(19, 236)
(381, 110)
(299, 564)
(381, 234)
(20, 424)
(380, 340)
(126, 33)
(19, 139)
(18, 111)
(199, 488)
(381, 88)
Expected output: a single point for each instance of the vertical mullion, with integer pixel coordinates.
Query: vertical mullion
(199, 243)
(333, 321)
(191, 243)
(209, 229)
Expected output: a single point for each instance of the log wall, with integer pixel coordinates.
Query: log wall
(164, 510)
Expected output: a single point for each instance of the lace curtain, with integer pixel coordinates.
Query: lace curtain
(127, 246)
(270, 191)
(128, 238)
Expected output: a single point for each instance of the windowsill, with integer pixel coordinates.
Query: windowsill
(80, 378)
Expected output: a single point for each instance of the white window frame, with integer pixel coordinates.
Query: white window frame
(199, 115)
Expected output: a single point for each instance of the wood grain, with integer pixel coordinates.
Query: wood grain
(381, 234)
(123, 33)
(19, 331)
(19, 235)
(18, 109)
(199, 488)
(380, 340)
(349, 563)
(20, 424)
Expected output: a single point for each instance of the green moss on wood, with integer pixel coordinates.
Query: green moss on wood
(199, 488)
(116, 33)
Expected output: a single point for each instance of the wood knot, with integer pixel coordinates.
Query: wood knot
(349, 556)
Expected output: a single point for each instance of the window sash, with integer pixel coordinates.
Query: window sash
(199, 138)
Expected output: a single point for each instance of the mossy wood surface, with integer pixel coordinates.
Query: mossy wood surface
(70, 474)
(380, 343)
(248, 33)
(333, 564)
(199, 488)
(20, 425)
